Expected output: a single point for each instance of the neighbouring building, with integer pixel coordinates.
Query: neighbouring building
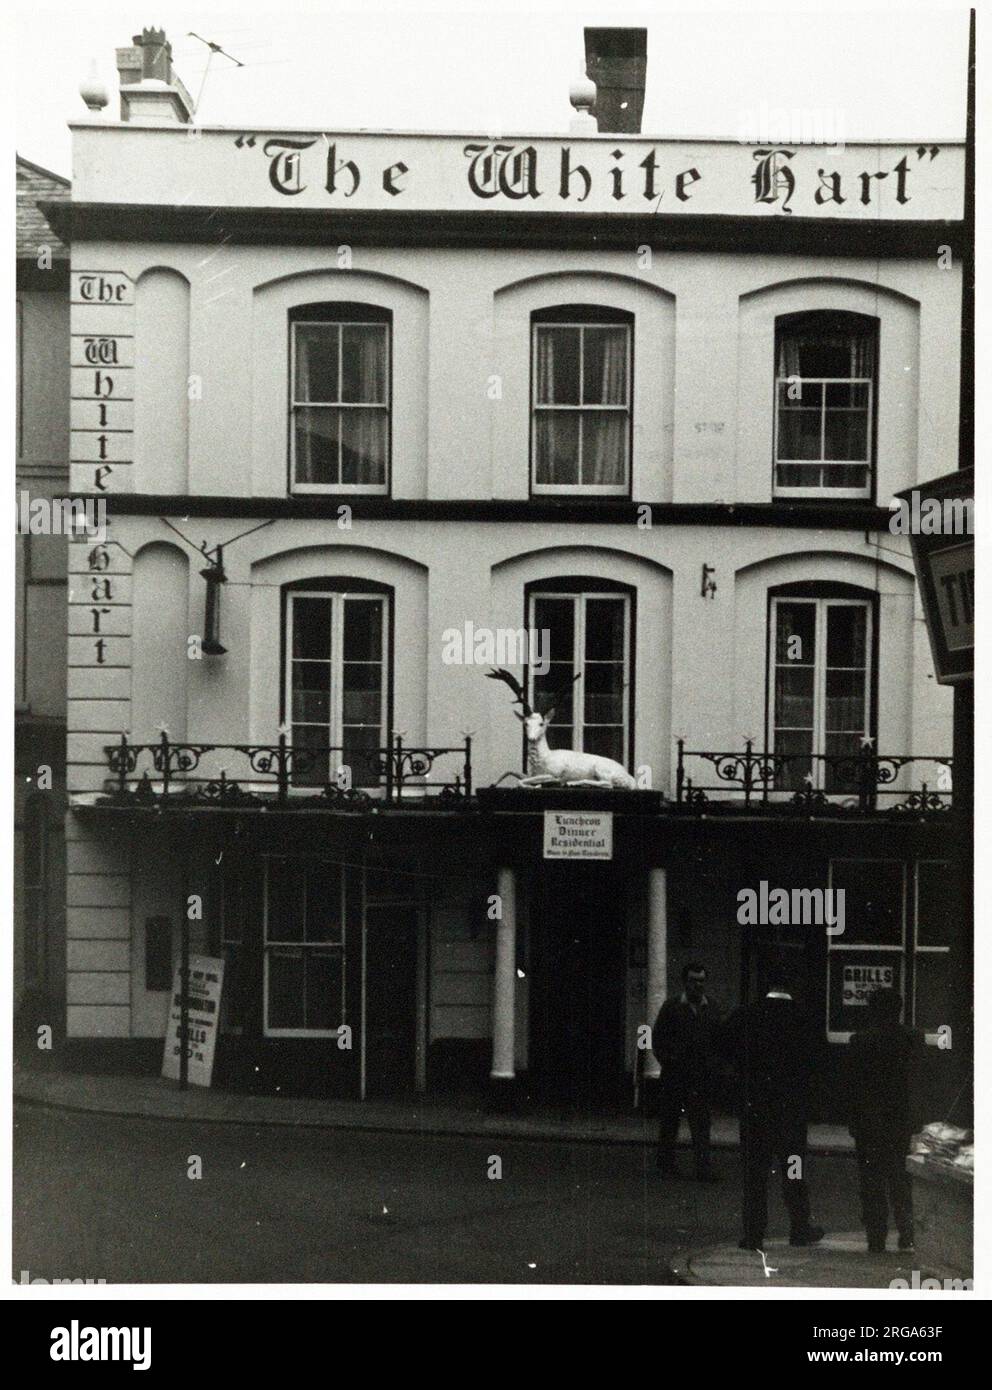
(365, 405)
(41, 476)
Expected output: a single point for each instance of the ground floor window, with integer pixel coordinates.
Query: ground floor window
(304, 946)
(897, 935)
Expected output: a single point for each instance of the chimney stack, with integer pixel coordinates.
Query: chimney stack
(150, 90)
(617, 60)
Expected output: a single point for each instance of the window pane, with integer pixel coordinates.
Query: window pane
(311, 692)
(795, 620)
(873, 900)
(324, 903)
(310, 758)
(323, 989)
(317, 433)
(362, 694)
(284, 901)
(317, 361)
(556, 616)
(556, 690)
(364, 436)
(845, 702)
(606, 742)
(285, 1003)
(604, 367)
(841, 475)
(604, 447)
(935, 903)
(603, 693)
(843, 778)
(556, 438)
(794, 764)
(557, 367)
(799, 433)
(312, 628)
(847, 395)
(933, 990)
(361, 754)
(363, 629)
(846, 434)
(794, 697)
(847, 634)
(604, 629)
(363, 363)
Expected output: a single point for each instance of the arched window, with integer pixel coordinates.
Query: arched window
(821, 681)
(581, 395)
(340, 398)
(826, 388)
(336, 701)
(584, 638)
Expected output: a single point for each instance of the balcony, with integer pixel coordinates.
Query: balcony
(820, 784)
(279, 775)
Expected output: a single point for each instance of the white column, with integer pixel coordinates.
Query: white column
(657, 955)
(505, 978)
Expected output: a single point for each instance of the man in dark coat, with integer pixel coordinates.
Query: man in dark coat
(883, 1073)
(769, 1043)
(684, 1042)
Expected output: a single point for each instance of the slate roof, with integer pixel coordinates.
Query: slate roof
(37, 185)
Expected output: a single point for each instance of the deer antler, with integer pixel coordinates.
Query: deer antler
(508, 679)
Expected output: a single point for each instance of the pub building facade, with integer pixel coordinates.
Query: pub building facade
(366, 406)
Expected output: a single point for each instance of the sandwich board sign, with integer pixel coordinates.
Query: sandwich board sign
(206, 979)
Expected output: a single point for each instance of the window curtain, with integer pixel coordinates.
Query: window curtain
(604, 442)
(832, 353)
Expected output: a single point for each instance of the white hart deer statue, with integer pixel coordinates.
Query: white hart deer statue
(562, 765)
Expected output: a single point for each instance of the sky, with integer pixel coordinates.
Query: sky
(888, 72)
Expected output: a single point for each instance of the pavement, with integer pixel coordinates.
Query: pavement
(153, 1096)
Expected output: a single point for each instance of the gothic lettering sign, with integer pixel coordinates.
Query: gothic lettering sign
(102, 376)
(319, 169)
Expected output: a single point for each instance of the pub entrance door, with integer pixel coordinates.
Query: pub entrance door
(578, 969)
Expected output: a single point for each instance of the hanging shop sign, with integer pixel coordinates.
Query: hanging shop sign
(578, 834)
(937, 517)
(206, 980)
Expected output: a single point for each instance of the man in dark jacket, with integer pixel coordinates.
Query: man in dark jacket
(769, 1043)
(684, 1042)
(882, 1090)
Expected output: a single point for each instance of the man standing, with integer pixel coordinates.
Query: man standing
(769, 1043)
(684, 1042)
(883, 1082)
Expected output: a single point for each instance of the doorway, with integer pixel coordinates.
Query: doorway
(390, 999)
(578, 971)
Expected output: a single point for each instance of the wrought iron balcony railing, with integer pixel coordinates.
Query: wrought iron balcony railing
(862, 782)
(284, 774)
